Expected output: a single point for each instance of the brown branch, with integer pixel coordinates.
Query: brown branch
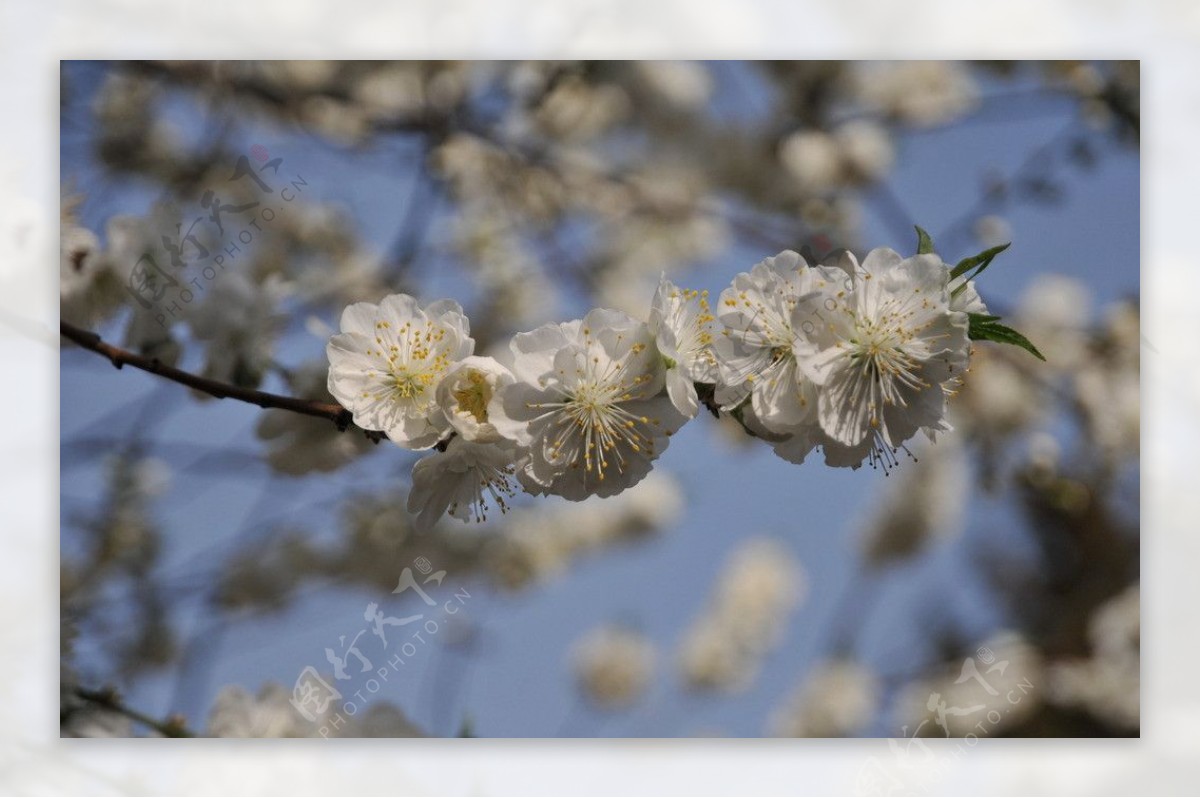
(108, 699)
(221, 390)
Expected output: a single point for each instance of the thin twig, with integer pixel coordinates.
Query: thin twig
(108, 699)
(221, 390)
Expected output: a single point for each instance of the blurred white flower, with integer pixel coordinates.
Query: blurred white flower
(463, 481)
(865, 149)
(78, 261)
(836, 700)
(812, 157)
(342, 122)
(308, 75)
(239, 320)
(237, 713)
(505, 267)
(540, 543)
(1108, 684)
(993, 230)
(922, 93)
(298, 444)
(710, 662)
(1112, 400)
(146, 335)
(926, 501)
(613, 666)
(685, 84)
(1116, 628)
(393, 90)
(88, 288)
(681, 323)
(150, 477)
(999, 399)
(1000, 689)
(1057, 310)
(89, 721)
(1108, 384)
(385, 365)
(381, 719)
(348, 278)
(760, 585)
(577, 109)
(644, 246)
(588, 404)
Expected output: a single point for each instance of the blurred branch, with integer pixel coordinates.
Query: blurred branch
(108, 699)
(221, 390)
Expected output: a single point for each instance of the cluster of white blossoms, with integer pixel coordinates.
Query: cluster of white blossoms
(848, 357)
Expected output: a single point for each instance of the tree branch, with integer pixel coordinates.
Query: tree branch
(221, 390)
(108, 699)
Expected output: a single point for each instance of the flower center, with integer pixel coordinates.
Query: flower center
(416, 356)
(411, 384)
(604, 430)
(880, 349)
(594, 428)
(474, 396)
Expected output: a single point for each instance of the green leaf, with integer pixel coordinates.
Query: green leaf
(982, 261)
(985, 328)
(924, 242)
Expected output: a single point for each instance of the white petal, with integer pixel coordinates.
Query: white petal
(417, 432)
(842, 408)
(797, 446)
(433, 489)
(533, 352)
(682, 392)
(396, 309)
(881, 260)
(510, 412)
(360, 318)
(779, 399)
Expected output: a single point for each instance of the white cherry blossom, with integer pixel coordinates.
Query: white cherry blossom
(463, 481)
(888, 351)
(588, 401)
(464, 393)
(387, 361)
(760, 352)
(681, 323)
